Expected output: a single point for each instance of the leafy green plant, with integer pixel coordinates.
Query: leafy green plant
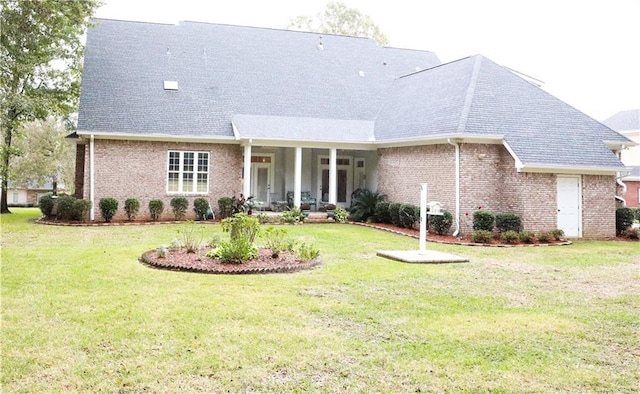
(382, 213)
(214, 241)
(156, 207)
(191, 236)
(441, 224)
(179, 207)
(624, 219)
(483, 220)
(409, 215)
(201, 207)
(557, 234)
(632, 233)
(241, 226)
(275, 240)
(363, 209)
(131, 208)
(510, 236)
(544, 236)
(340, 215)
(108, 208)
(526, 236)
(482, 236)
(292, 215)
(307, 252)
(636, 213)
(65, 207)
(234, 252)
(394, 213)
(81, 209)
(46, 204)
(508, 222)
(162, 251)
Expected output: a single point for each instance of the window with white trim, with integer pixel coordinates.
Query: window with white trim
(188, 172)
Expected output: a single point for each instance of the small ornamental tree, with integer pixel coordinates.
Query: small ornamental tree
(108, 208)
(179, 207)
(624, 219)
(201, 207)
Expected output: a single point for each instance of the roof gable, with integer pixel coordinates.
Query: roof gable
(624, 120)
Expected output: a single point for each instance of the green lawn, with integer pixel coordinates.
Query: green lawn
(81, 314)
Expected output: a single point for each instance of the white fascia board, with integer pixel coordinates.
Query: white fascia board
(462, 138)
(568, 169)
(285, 143)
(519, 164)
(618, 145)
(158, 137)
(236, 133)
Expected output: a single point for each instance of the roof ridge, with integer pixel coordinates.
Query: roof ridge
(468, 99)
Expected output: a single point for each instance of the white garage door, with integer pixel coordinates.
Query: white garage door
(569, 205)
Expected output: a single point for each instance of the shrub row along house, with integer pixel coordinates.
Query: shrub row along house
(208, 110)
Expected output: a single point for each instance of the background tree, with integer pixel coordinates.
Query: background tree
(338, 18)
(42, 154)
(40, 62)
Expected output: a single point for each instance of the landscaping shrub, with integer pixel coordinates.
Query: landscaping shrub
(275, 240)
(234, 252)
(409, 214)
(544, 236)
(65, 207)
(307, 252)
(81, 209)
(441, 224)
(363, 209)
(525, 236)
(225, 205)
(292, 215)
(510, 236)
(483, 220)
(241, 226)
(394, 213)
(557, 234)
(108, 208)
(482, 236)
(636, 214)
(508, 222)
(624, 219)
(201, 207)
(179, 207)
(382, 214)
(341, 215)
(131, 208)
(156, 207)
(46, 204)
(632, 233)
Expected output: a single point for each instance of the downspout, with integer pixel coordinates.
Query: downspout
(624, 189)
(92, 215)
(457, 149)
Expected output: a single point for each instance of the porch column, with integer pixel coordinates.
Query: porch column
(297, 182)
(246, 187)
(333, 176)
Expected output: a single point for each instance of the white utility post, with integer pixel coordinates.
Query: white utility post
(246, 189)
(423, 217)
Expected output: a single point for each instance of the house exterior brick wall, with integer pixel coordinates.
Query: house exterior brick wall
(402, 170)
(138, 169)
(632, 195)
(489, 179)
(598, 206)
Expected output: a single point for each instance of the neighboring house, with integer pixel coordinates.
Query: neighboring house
(28, 194)
(207, 110)
(627, 123)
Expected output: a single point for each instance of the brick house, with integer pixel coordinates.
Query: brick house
(207, 110)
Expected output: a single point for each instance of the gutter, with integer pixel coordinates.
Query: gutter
(457, 150)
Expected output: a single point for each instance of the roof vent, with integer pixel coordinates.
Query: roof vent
(170, 85)
(418, 69)
(168, 51)
(361, 73)
(320, 46)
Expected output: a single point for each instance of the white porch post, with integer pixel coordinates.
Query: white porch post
(246, 187)
(297, 182)
(333, 176)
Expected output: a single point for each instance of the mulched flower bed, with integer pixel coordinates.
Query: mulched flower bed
(178, 259)
(449, 239)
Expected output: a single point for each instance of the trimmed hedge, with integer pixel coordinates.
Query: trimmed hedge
(382, 212)
(179, 207)
(409, 214)
(201, 207)
(394, 213)
(483, 220)
(441, 224)
(156, 207)
(131, 207)
(624, 219)
(108, 208)
(508, 222)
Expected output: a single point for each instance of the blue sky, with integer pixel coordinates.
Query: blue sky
(586, 52)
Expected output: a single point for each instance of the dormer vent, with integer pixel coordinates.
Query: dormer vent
(320, 46)
(170, 85)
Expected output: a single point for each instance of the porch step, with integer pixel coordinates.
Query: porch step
(318, 217)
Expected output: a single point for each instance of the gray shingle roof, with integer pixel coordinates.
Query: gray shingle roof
(278, 84)
(624, 120)
(224, 70)
(478, 97)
